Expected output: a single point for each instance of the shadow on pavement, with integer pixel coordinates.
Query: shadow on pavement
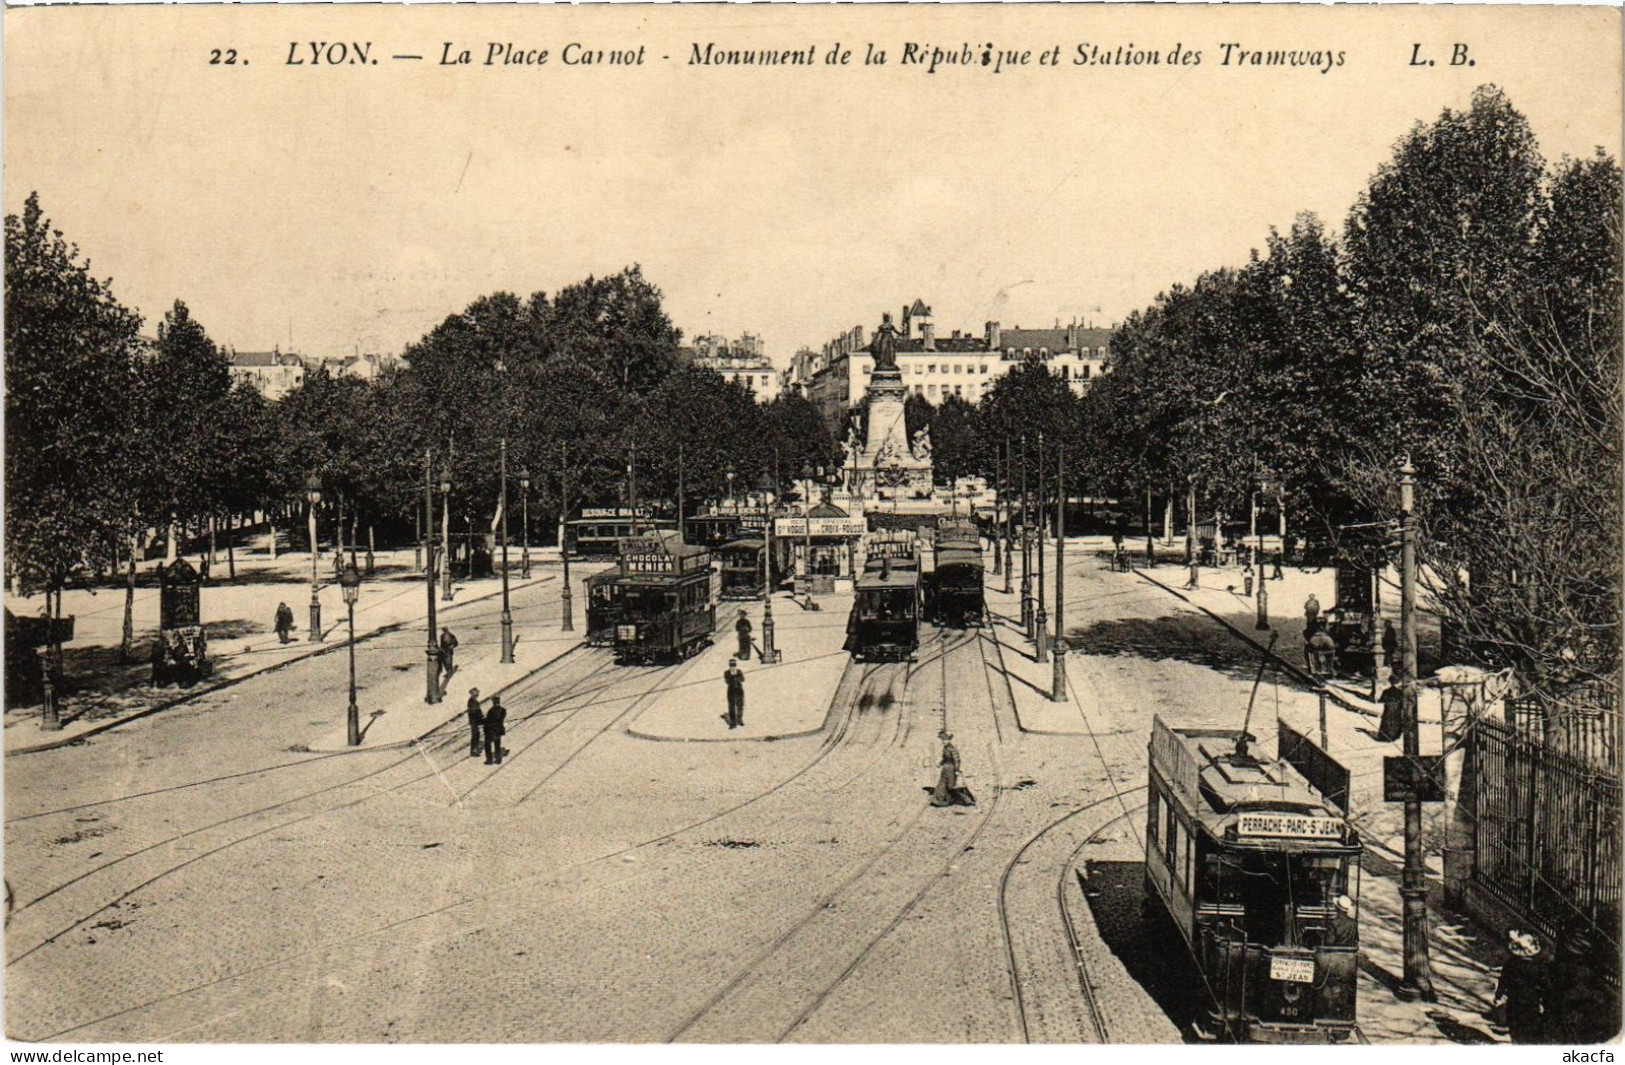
(1149, 946)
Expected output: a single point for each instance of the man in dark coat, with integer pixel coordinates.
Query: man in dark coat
(448, 648)
(735, 679)
(1390, 644)
(1585, 1008)
(1311, 615)
(495, 727)
(476, 720)
(742, 627)
(1391, 726)
(284, 621)
(1525, 988)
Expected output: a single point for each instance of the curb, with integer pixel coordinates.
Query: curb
(179, 700)
(829, 712)
(1287, 667)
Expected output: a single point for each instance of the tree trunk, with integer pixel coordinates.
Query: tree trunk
(170, 549)
(1168, 520)
(272, 525)
(212, 524)
(231, 557)
(126, 647)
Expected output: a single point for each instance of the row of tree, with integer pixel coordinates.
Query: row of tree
(1469, 319)
(112, 437)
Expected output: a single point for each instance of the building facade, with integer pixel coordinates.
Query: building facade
(742, 361)
(272, 373)
(959, 364)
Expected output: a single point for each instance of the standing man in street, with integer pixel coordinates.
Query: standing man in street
(448, 648)
(742, 627)
(476, 721)
(735, 680)
(284, 621)
(1390, 644)
(1311, 615)
(496, 720)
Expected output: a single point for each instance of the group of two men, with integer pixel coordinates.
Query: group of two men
(489, 725)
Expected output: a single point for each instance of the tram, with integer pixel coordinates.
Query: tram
(1260, 874)
(957, 579)
(741, 564)
(600, 537)
(603, 608)
(664, 598)
(885, 618)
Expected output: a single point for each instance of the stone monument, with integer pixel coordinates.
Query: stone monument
(887, 466)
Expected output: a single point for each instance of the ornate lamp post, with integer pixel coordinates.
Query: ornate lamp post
(769, 654)
(566, 600)
(431, 691)
(730, 476)
(502, 505)
(313, 494)
(807, 474)
(445, 533)
(524, 520)
(350, 582)
(1058, 679)
(1026, 547)
(1040, 618)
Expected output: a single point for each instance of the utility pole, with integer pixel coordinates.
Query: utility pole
(1009, 520)
(502, 505)
(1040, 630)
(1058, 683)
(682, 521)
(1026, 548)
(998, 555)
(1413, 891)
(431, 693)
(564, 548)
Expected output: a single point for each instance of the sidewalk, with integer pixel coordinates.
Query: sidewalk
(395, 713)
(104, 693)
(1030, 681)
(781, 701)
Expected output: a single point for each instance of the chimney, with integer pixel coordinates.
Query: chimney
(993, 337)
(928, 333)
(908, 324)
(1072, 336)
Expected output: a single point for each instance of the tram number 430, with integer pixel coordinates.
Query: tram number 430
(1293, 970)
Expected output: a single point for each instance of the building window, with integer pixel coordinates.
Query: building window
(959, 390)
(863, 368)
(1026, 352)
(984, 367)
(918, 369)
(1010, 353)
(931, 388)
(919, 390)
(1101, 351)
(958, 368)
(1066, 373)
(1084, 371)
(1044, 352)
(931, 369)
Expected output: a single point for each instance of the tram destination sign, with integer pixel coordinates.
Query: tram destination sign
(1288, 826)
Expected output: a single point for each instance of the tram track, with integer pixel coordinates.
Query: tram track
(414, 752)
(853, 681)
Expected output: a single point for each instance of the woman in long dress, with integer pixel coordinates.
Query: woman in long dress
(949, 791)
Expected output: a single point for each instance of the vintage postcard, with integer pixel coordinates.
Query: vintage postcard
(878, 524)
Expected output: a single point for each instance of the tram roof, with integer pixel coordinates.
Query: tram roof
(1222, 787)
(958, 556)
(876, 580)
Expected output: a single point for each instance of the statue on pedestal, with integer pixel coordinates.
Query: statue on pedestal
(884, 345)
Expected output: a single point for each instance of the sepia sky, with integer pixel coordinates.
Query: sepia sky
(346, 206)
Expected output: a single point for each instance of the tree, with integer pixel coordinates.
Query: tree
(70, 381)
(956, 444)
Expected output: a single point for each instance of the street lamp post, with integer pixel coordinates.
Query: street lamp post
(1263, 600)
(567, 599)
(1009, 520)
(730, 476)
(445, 533)
(431, 691)
(350, 582)
(1040, 629)
(1413, 891)
(502, 505)
(769, 653)
(313, 493)
(1026, 547)
(524, 521)
(806, 516)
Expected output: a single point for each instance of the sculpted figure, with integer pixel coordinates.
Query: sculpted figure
(884, 345)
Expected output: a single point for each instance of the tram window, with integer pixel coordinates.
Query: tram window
(1154, 812)
(1189, 864)
(1171, 826)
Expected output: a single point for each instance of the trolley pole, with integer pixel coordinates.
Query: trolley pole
(1413, 890)
(502, 505)
(1058, 685)
(431, 691)
(1040, 629)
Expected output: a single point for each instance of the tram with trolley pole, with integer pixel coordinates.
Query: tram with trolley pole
(1259, 871)
(598, 532)
(957, 578)
(664, 599)
(740, 565)
(885, 619)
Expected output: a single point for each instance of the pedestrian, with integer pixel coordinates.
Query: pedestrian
(1391, 727)
(1311, 615)
(950, 790)
(476, 721)
(496, 720)
(1344, 928)
(1525, 988)
(284, 621)
(742, 628)
(1276, 576)
(734, 678)
(1390, 643)
(448, 652)
(1585, 1007)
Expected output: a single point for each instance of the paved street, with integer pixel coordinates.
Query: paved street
(199, 875)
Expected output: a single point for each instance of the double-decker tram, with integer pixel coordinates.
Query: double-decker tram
(1260, 873)
(663, 595)
(957, 579)
(885, 618)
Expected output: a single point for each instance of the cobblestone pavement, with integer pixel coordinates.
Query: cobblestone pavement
(600, 887)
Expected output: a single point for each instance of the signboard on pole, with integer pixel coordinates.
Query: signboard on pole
(1324, 773)
(837, 527)
(1421, 778)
